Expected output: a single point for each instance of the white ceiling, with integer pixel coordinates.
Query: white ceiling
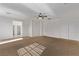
(26, 10)
(7, 12)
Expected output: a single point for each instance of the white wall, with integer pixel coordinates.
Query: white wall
(26, 27)
(74, 30)
(35, 28)
(56, 29)
(68, 29)
(5, 28)
(49, 28)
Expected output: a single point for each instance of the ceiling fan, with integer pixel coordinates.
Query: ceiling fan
(43, 16)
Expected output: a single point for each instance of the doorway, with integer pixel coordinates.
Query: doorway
(17, 28)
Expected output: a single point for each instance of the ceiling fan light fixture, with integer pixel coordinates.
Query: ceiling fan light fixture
(41, 16)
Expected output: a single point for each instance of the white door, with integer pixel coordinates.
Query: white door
(17, 28)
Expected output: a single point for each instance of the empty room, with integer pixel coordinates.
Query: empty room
(39, 29)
